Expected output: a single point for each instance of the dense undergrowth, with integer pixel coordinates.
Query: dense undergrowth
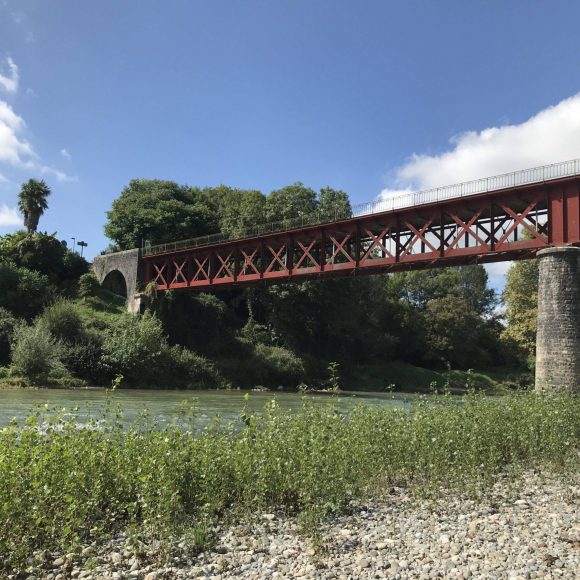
(61, 485)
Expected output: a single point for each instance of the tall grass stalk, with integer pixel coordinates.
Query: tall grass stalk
(61, 485)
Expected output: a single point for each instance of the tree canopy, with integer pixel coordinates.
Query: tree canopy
(32, 202)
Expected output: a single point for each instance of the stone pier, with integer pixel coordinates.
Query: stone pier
(558, 338)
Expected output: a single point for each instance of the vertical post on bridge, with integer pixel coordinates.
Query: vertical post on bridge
(558, 336)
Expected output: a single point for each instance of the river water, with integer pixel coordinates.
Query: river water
(165, 406)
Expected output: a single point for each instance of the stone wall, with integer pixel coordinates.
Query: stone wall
(128, 263)
(558, 338)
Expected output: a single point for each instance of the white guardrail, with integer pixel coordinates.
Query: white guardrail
(467, 188)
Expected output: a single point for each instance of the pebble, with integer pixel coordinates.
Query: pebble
(396, 537)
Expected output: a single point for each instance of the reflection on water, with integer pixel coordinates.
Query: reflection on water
(165, 406)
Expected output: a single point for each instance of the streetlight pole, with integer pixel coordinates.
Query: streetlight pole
(82, 245)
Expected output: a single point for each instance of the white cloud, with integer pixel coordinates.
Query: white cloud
(16, 151)
(496, 272)
(549, 136)
(65, 153)
(9, 76)
(9, 216)
(3, 179)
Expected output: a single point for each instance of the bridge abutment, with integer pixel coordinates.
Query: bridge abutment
(121, 273)
(558, 336)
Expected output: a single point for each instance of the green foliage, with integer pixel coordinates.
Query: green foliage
(520, 297)
(277, 366)
(60, 484)
(469, 283)
(23, 292)
(290, 202)
(333, 376)
(88, 285)
(236, 209)
(452, 332)
(36, 355)
(157, 211)
(63, 321)
(32, 202)
(136, 347)
(7, 325)
(189, 370)
(42, 253)
(83, 357)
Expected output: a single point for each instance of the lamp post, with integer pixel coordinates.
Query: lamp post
(82, 245)
(74, 243)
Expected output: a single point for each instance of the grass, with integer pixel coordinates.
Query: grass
(407, 377)
(61, 485)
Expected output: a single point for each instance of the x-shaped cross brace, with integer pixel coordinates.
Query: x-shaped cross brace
(377, 243)
(306, 254)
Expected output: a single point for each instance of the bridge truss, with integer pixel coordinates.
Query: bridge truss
(508, 224)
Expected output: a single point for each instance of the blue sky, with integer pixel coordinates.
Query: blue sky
(367, 96)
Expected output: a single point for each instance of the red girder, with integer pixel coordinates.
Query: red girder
(480, 228)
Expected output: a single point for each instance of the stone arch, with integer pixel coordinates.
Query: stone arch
(115, 282)
(121, 272)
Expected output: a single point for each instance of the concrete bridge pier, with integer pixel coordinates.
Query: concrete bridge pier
(558, 337)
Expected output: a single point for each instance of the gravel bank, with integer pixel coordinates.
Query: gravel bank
(529, 530)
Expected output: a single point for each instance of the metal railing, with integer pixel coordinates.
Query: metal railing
(497, 182)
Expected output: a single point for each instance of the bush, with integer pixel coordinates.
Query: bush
(83, 358)
(36, 355)
(278, 366)
(190, 370)
(7, 326)
(23, 292)
(88, 285)
(63, 321)
(136, 347)
(45, 254)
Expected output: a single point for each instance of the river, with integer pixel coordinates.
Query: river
(164, 405)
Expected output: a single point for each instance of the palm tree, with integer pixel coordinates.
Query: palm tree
(32, 202)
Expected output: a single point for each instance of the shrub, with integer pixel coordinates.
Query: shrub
(36, 354)
(7, 325)
(83, 358)
(23, 292)
(190, 370)
(88, 285)
(136, 347)
(63, 321)
(278, 366)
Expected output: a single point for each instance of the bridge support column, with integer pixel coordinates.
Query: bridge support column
(558, 338)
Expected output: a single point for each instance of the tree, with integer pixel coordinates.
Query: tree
(291, 202)
(24, 292)
(333, 204)
(520, 297)
(42, 253)
(469, 283)
(452, 332)
(236, 209)
(32, 202)
(158, 211)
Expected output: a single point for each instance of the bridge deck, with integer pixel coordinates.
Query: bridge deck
(501, 218)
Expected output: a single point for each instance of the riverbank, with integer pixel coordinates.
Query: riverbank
(527, 528)
(65, 485)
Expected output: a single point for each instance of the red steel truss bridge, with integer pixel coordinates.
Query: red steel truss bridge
(506, 217)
